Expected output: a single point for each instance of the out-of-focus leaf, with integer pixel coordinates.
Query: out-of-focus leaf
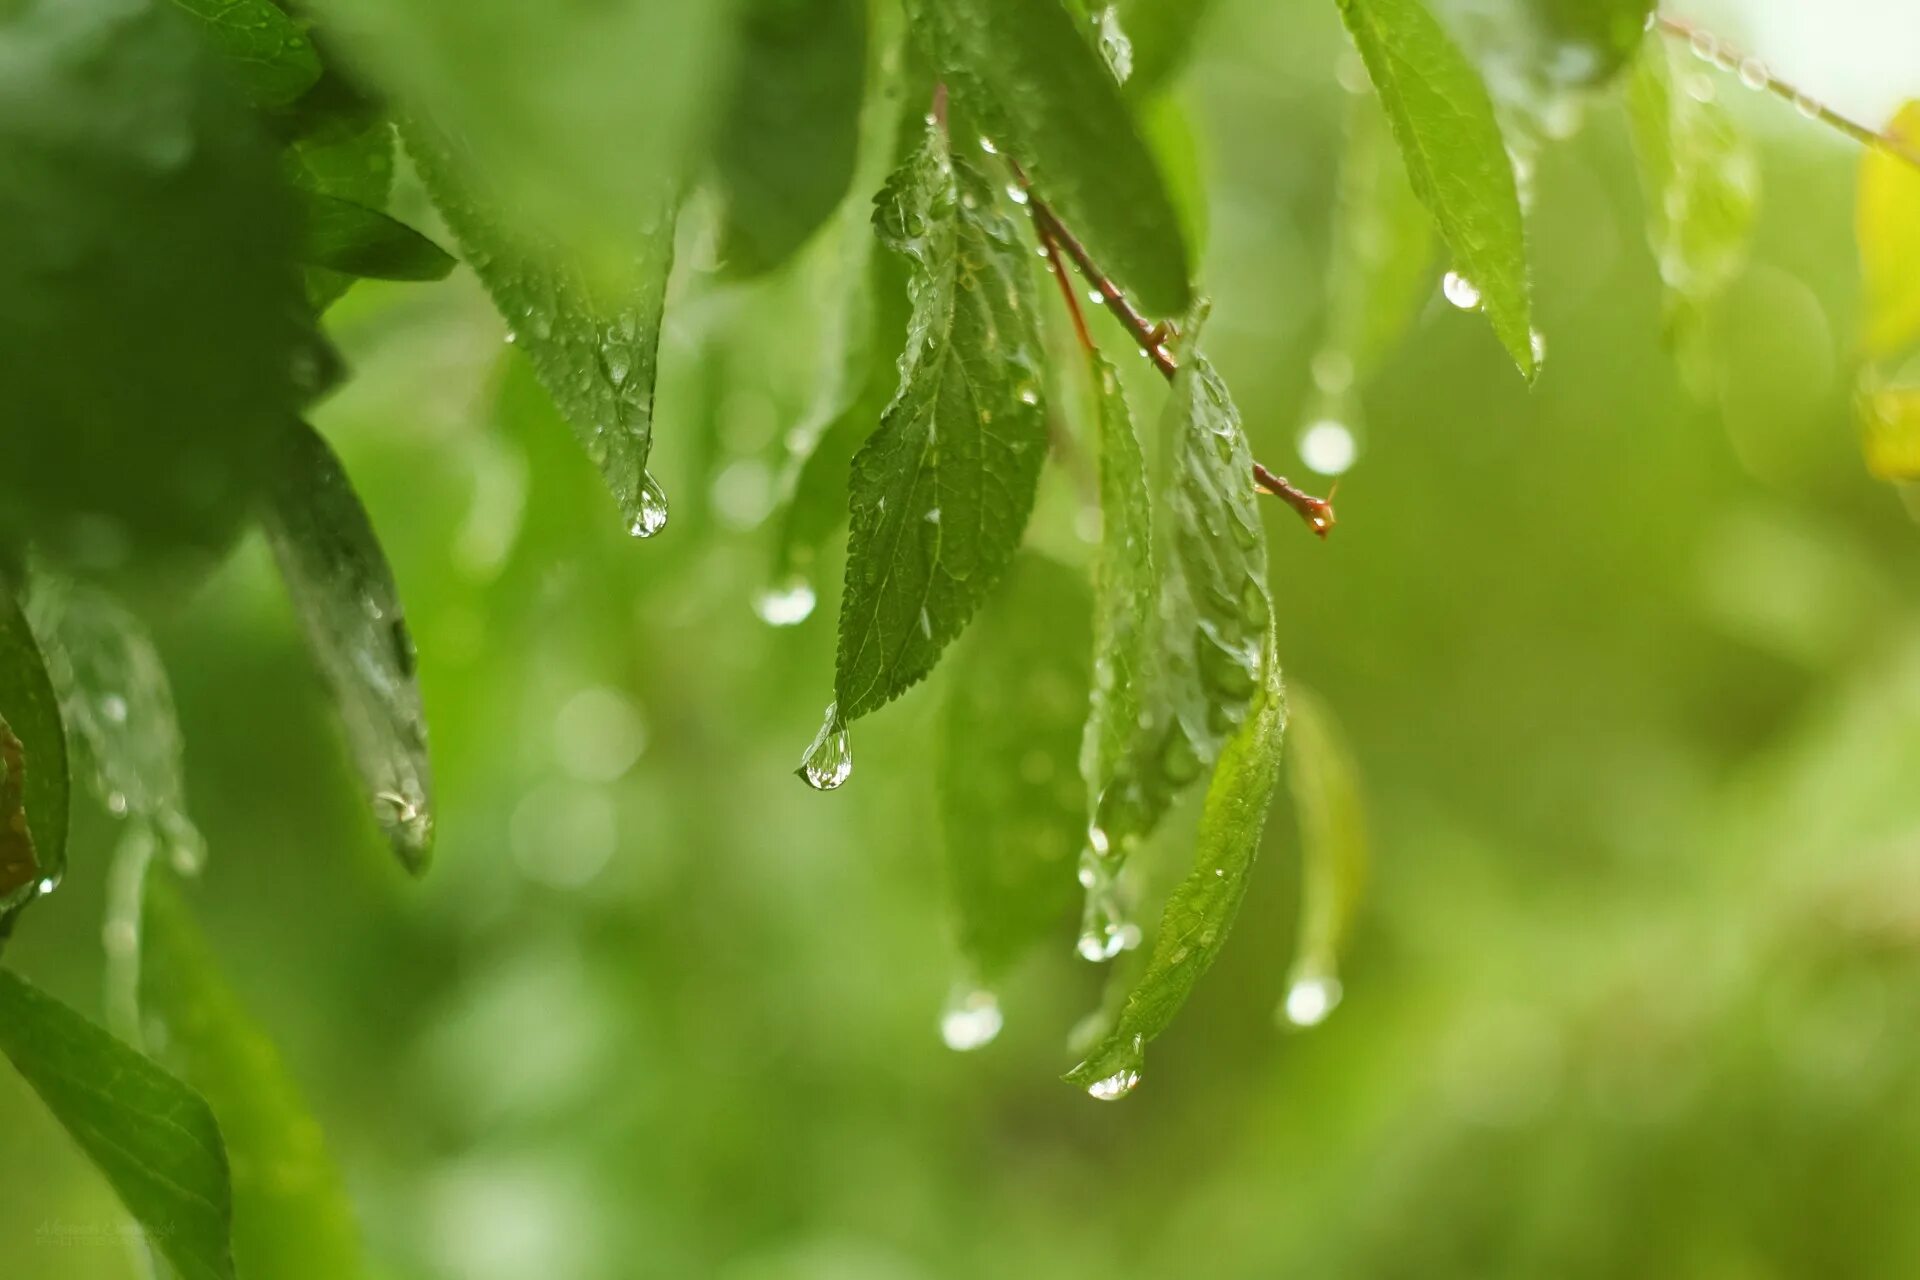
(142, 226)
(789, 131)
(1325, 784)
(39, 776)
(150, 1136)
(357, 241)
(118, 703)
(291, 1215)
(941, 493)
(594, 343)
(1201, 911)
(1701, 186)
(1381, 264)
(1443, 121)
(1162, 33)
(578, 115)
(262, 47)
(347, 153)
(1169, 133)
(1041, 91)
(1012, 806)
(1890, 428)
(1887, 223)
(344, 595)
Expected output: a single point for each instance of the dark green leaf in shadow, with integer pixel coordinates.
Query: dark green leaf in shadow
(357, 241)
(37, 770)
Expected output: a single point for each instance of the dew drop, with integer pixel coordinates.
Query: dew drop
(971, 1019)
(652, 516)
(1460, 291)
(1016, 193)
(986, 145)
(1806, 106)
(1029, 394)
(1704, 46)
(47, 885)
(1310, 999)
(114, 708)
(512, 337)
(1537, 343)
(787, 605)
(829, 761)
(1114, 1087)
(1096, 298)
(1754, 74)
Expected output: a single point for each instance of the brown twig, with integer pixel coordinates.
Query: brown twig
(1755, 74)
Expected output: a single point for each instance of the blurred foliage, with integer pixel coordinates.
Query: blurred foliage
(1629, 671)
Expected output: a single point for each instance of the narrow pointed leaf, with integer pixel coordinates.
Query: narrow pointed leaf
(291, 1216)
(1443, 121)
(1887, 224)
(31, 711)
(344, 596)
(1041, 90)
(941, 493)
(118, 705)
(263, 48)
(1201, 911)
(1012, 806)
(150, 1136)
(593, 343)
(789, 129)
(357, 241)
(1325, 784)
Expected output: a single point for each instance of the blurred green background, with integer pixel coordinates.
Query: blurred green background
(1633, 675)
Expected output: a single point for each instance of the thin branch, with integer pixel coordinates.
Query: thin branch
(1754, 73)
(1059, 271)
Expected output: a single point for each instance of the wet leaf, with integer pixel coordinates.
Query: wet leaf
(118, 705)
(357, 241)
(150, 1136)
(1012, 806)
(1887, 223)
(1455, 156)
(1325, 784)
(941, 493)
(263, 48)
(344, 596)
(344, 149)
(593, 342)
(291, 1215)
(789, 129)
(1040, 89)
(38, 777)
(1201, 911)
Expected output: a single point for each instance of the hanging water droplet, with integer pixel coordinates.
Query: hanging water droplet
(1105, 930)
(829, 761)
(114, 708)
(1311, 998)
(786, 606)
(1754, 74)
(1704, 46)
(1097, 839)
(1096, 297)
(971, 1019)
(186, 847)
(1114, 1087)
(1537, 343)
(652, 516)
(1029, 394)
(1460, 291)
(1328, 447)
(47, 885)
(117, 803)
(512, 337)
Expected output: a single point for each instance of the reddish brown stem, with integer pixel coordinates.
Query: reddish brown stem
(1317, 512)
(1059, 270)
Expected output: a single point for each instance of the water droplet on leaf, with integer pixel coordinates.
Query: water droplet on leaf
(652, 516)
(1460, 291)
(1114, 1087)
(829, 761)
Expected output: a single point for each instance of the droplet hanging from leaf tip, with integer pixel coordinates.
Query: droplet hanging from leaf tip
(651, 517)
(829, 760)
(971, 1018)
(1460, 291)
(1310, 998)
(787, 605)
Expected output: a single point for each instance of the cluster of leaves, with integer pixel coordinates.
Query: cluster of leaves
(193, 182)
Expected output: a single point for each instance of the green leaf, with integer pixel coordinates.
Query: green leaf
(1887, 224)
(357, 241)
(941, 493)
(1700, 182)
(291, 1215)
(1443, 121)
(142, 227)
(1044, 95)
(1380, 268)
(38, 779)
(579, 115)
(1012, 806)
(348, 154)
(1201, 910)
(150, 1136)
(344, 596)
(1325, 784)
(790, 129)
(1162, 33)
(261, 46)
(594, 343)
(118, 704)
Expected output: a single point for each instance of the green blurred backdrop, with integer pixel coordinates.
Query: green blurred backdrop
(1633, 675)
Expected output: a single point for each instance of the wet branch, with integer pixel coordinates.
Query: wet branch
(1753, 72)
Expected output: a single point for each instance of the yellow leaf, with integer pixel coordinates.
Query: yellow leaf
(1887, 224)
(1890, 431)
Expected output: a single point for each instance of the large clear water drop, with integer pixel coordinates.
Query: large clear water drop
(651, 518)
(829, 761)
